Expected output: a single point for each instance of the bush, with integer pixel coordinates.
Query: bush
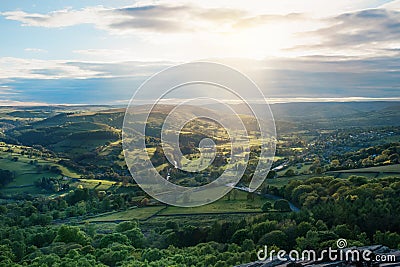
(282, 205)
(71, 234)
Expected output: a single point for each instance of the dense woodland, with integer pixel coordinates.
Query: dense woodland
(362, 210)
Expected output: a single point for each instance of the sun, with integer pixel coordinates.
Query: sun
(262, 41)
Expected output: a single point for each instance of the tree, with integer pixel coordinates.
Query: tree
(289, 173)
(171, 225)
(126, 226)
(78, 195)
(6, 177)
(335, 163)
(266, 206)
(152, 254)
(248, 245)
(47, 260)
(303, 228)
(239, 236)
(144, 202)
(318, 170)
(301, 191)
(111, 256)
(71, 234)
(343, 231)
(276, 237)
(55, 169)
(136, 237)
(6, 255)
(392, 240)
(282, 205)
(271, 174)
(262, 228)
(110, 239)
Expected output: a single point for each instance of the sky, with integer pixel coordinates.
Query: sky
(99, 52)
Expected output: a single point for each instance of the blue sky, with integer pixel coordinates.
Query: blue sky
(99, 52)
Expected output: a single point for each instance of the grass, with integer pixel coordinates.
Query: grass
(282, 181)
(67, 172)
(33, 190)
(304, 169)
(384, 171)
(372, 172)
(92, 183)
(346, 175)
(131, 214)
(77, 146)
(240, 204)
(26, 173)
(386, 168)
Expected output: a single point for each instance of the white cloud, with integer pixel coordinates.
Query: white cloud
(365, 33)
(67, 69)
(188, 30)
(14, 103)
(394, 5)
(42, 69)
(328, 99)
(185, 31)
(55, 19)
(7, 91)
(155, 18)
(99, 52)
(35, 50)
(322, 8)
(105, 55)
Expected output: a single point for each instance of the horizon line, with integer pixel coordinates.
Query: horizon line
(272, 101)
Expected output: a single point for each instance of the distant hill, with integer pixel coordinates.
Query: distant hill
(72, 133)
(338, 115)
(77, 129)
(329, 115)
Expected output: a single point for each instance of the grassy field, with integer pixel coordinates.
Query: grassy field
(131, 214)
(372, 172)
(304, 169)
(24, 190)
(27, 173)
(387, 168)
(92, 183)
(239, 204)
(364, 174)
(282, 181)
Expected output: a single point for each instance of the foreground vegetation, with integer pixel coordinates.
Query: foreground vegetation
(67, 198)
(332, 208)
